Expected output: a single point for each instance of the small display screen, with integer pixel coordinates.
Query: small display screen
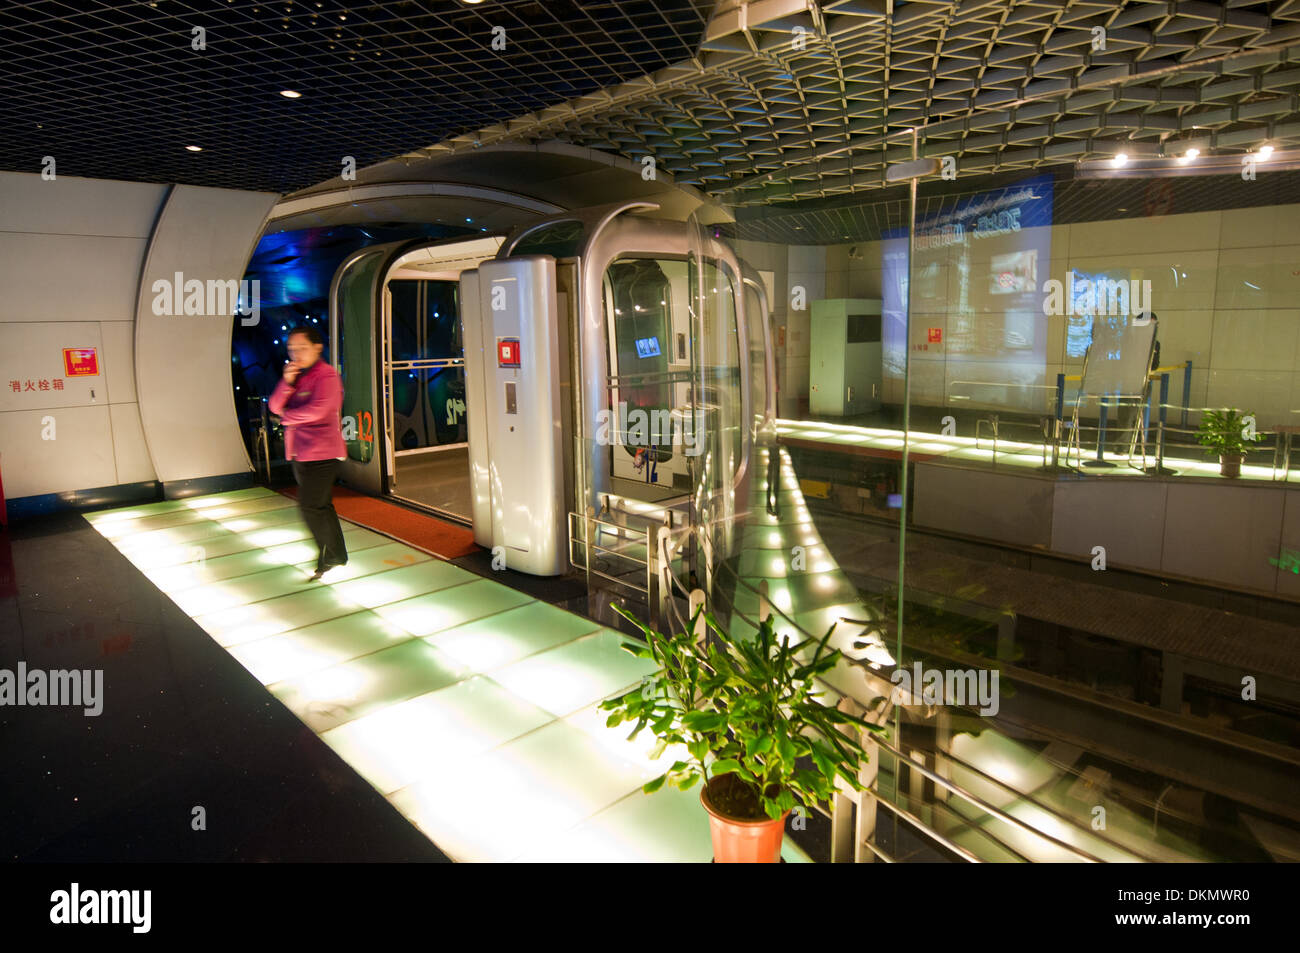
(647, 347)
(894, 501)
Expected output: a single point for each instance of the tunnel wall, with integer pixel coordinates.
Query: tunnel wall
(73, 252)
(182, 361)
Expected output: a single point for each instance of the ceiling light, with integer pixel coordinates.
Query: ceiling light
(1265, 151)
(1120, 158)
(1192, 153)
(290, 94)
(195, 148)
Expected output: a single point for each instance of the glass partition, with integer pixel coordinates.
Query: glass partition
(1055, 499)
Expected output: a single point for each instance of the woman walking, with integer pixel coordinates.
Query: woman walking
(308, 400)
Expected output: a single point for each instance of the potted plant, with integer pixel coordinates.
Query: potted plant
(1229, 433)
(748, 716)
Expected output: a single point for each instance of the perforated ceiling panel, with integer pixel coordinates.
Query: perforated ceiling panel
(815, 102)
(118, 90)
(772, 102)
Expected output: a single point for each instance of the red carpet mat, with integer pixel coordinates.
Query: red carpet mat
(416, 529)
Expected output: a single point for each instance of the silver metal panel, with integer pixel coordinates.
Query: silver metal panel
(525, 446)
(480, 489)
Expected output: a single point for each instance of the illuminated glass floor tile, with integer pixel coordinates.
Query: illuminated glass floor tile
(506, 802)
(259, 504)
(189, 533)
(398, 584)
(269, 584)
(314, 647)
(510, 636)
(102, 518)
(172, 579)
(273, 616)
(264, 520)
(174, 554)
(165, 506)
(456, 605)
(369, 561)
(566, 678)
(304, 550)
(669, 826)
(277, 535)
(428, 737)
(113, 529)
(593, 722)
(340, 693)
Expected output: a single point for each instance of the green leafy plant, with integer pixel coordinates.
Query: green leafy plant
(1225, 432)
(748, 714)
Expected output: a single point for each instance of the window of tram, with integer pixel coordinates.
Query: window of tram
(649, 366)
(428, 390)
(718, 413)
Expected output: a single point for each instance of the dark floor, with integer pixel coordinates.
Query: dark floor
(439, 479)
(184, 726)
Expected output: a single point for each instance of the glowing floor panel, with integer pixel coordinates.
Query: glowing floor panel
(1009, 452)
(468, 704)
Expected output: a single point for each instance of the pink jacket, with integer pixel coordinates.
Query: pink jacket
(309, 409)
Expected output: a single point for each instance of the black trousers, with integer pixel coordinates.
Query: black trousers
(315, 493)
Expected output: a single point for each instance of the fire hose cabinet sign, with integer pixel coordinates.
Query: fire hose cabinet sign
(80, 362)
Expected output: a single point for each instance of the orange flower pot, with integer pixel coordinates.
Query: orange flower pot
(738, 841)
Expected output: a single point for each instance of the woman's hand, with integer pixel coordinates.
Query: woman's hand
(291, 371)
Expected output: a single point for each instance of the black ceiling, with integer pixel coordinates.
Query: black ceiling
(116, 91)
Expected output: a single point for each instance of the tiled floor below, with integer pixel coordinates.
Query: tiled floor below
(469, 705)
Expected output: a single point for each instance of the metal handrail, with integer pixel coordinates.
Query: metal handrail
(422, 364)
(592, 548)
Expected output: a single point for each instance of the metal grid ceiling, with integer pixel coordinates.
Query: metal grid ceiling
(999, 84)
(115, 90)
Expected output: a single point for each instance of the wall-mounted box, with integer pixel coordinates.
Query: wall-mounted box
(845, 361)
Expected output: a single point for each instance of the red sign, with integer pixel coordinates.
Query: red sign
(508, 352)
(80, 362)
(935, 335)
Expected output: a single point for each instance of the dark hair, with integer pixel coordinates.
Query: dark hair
(311, 333)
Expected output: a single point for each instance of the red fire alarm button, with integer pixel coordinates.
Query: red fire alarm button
(507, 352)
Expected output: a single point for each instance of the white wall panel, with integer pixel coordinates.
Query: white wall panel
(69, 205)
(79, 457)
(182, 362)
(130, 453)
(68, 277)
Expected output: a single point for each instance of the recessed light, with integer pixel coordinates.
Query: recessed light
(195, 148)
(1265, 151)
(290, 94)
(1120, 158)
